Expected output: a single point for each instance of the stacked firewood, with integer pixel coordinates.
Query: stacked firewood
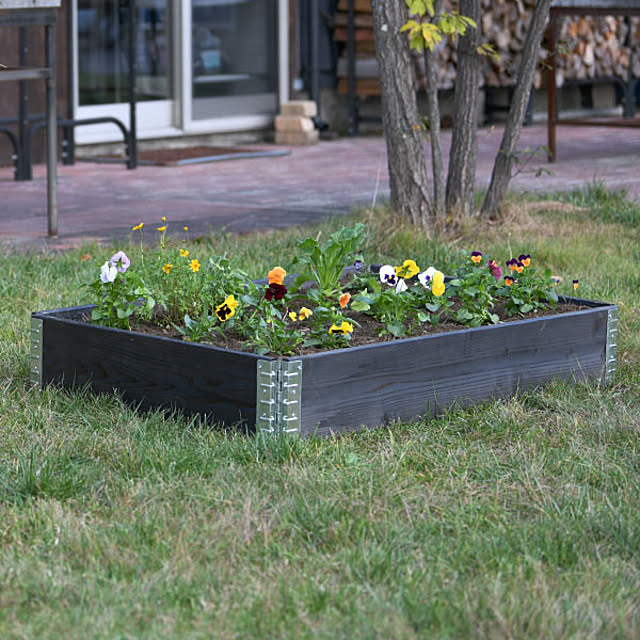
(598, 47)
(588, 47)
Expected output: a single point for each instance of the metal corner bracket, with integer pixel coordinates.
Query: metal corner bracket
(35, 369)
(279, 396)
(611, 351)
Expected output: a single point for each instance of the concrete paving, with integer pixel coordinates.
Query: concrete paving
(100, 202)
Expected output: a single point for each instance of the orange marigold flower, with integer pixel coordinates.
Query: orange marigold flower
(276, 275)
(344, 300)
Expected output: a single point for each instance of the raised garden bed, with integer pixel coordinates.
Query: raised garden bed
(331, 391)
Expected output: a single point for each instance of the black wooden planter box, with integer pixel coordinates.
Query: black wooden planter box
(332, 391)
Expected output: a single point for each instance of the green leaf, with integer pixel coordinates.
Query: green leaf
(433, 306)
(395, 329)
(525, 308)
(422, 317)
(360, 305)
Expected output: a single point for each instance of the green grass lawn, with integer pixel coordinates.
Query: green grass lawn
(512, 519)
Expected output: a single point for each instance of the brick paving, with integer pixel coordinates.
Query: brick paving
(99, 202)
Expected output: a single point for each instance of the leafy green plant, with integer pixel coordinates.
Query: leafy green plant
(119, 294)
(524, 290)
(324, 264)
(474, 289)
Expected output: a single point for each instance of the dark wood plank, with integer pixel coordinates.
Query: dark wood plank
(368, 386)
(151, 371)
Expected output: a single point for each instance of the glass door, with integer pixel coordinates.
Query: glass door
(234, 58)
(103, 60)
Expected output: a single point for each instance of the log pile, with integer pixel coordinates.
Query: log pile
(589, 47)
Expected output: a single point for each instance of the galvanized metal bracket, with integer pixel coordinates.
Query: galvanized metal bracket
(35, 370)
(611, 351)
(279, 396)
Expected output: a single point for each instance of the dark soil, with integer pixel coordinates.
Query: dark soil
(368, 331)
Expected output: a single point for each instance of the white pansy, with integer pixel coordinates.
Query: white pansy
(401, 286)
(426, 276)
(388, 275)
(108, 272)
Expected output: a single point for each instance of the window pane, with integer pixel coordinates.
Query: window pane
(234, 57)
(103, 51)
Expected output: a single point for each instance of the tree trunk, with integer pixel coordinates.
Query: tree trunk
(461, 177)
(503, 164)
(433, 115)
(408, 176)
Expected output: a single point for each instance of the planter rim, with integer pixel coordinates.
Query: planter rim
(592, 305)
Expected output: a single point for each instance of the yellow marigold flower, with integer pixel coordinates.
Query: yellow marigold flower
(276, 275)
(437, 288)
(344, 328)
(184, 252)
(293, 316)
(305, 313)
(164, 218)
(344, 300)
(167, 268)
(186, 228)
(408, 269)
(227, 309)
(138, 227)
(162, 228)
(194, 265)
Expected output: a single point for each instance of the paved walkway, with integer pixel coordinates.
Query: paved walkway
(99, 202)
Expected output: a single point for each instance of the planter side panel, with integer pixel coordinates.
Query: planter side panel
(369, 386)
(151, 371)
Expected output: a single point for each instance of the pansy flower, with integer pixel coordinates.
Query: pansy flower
(575, 284)
(344, 300)
(276, 275)
(108, 272)
(293, 316)
(437, 287)
(508, 280)
(358, 264)
(275, 291)
(342, 329)
(512, 264)
(226, 309)
(120, 261)
(408, 269)
(496, 271)
(525, 258)
(424, 278)
(305, 313)
(519, 267)
(388, 275)
(476, 257)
